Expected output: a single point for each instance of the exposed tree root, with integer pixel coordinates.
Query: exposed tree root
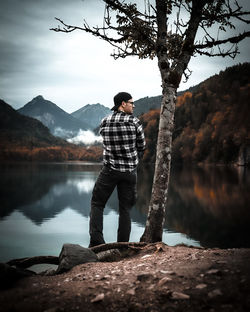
(28, 262)
(118, 245)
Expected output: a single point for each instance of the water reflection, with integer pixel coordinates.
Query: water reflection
(209, 206)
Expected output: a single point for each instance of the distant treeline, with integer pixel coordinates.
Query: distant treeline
(24, 138)
(211, 124)
(51, 153)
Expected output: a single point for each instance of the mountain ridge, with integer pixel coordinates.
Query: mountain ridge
(92, 113)
(21, 129)
(52, 116)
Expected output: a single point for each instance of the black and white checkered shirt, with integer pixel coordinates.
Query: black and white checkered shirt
(123, 140)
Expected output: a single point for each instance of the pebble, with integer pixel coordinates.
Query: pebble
(214, 293)
(213, 271)
(221, 262)
(164, 280)
(201, 286)
(146, 256)
(168, 272)
(179, 296)
(98, 298)
(131, 292)
(139, 265)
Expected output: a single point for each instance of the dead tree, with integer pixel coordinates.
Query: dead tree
(173, 31)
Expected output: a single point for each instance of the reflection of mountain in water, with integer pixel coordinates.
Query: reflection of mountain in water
(209, 205)
(24, 184)
(41, 192)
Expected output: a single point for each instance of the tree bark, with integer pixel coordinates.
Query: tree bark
(171, 77)
(156, 214)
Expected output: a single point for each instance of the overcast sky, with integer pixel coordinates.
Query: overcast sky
(76, 69)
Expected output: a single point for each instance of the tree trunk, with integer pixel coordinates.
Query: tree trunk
(156, 214)
(171, 77)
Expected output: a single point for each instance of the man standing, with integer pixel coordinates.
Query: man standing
(123, 144)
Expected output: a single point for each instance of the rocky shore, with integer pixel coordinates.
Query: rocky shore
(154, 278)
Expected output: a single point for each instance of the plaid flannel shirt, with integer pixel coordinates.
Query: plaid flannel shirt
(123, 139)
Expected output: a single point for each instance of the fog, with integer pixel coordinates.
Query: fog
(85, 137)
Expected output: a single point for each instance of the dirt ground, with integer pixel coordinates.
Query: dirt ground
(157, 278)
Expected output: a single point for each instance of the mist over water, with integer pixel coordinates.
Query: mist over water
(85, 137)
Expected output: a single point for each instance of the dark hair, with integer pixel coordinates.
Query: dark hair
(119, 98)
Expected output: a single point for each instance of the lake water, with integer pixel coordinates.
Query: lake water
(44, 206)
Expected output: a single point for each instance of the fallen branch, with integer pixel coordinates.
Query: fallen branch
(28, 262)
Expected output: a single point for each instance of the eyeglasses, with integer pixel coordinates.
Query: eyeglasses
(132, 103)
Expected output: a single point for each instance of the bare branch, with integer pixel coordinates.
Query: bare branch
(213, 43)
(95, 31)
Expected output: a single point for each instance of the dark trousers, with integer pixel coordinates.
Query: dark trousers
(107, 180)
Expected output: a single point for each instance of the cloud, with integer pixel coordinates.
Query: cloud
(85, 137)
(75, 69)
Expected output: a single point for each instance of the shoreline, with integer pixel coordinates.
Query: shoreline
(157, 278)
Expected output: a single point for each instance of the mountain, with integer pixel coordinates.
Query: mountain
(57, 120)
(212, 123)
(92, 114)
(24, 138)
(19, 130)
(154, 102)
(145, 104)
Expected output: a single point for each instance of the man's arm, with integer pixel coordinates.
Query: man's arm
(140, 140)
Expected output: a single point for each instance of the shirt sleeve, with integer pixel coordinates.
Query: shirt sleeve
(140, 137)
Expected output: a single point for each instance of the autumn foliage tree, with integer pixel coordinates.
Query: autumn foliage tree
(167, 29)
(212, 123)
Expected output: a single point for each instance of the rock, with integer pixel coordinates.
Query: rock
(168, 272)
(164, 280)
(49, 272)
(213, 271)
(72, 255)
(179, 296)
(9, 275)
(201, 286)
(214, 293)
(131, 292)
(98, 298)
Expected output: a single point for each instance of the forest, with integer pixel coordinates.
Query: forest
(24, 138)
(212, 123)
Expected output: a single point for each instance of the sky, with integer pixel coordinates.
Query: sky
(76, 69)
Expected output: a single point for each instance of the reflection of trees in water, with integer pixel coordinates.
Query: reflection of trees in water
(144, 187)
(210, 205)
